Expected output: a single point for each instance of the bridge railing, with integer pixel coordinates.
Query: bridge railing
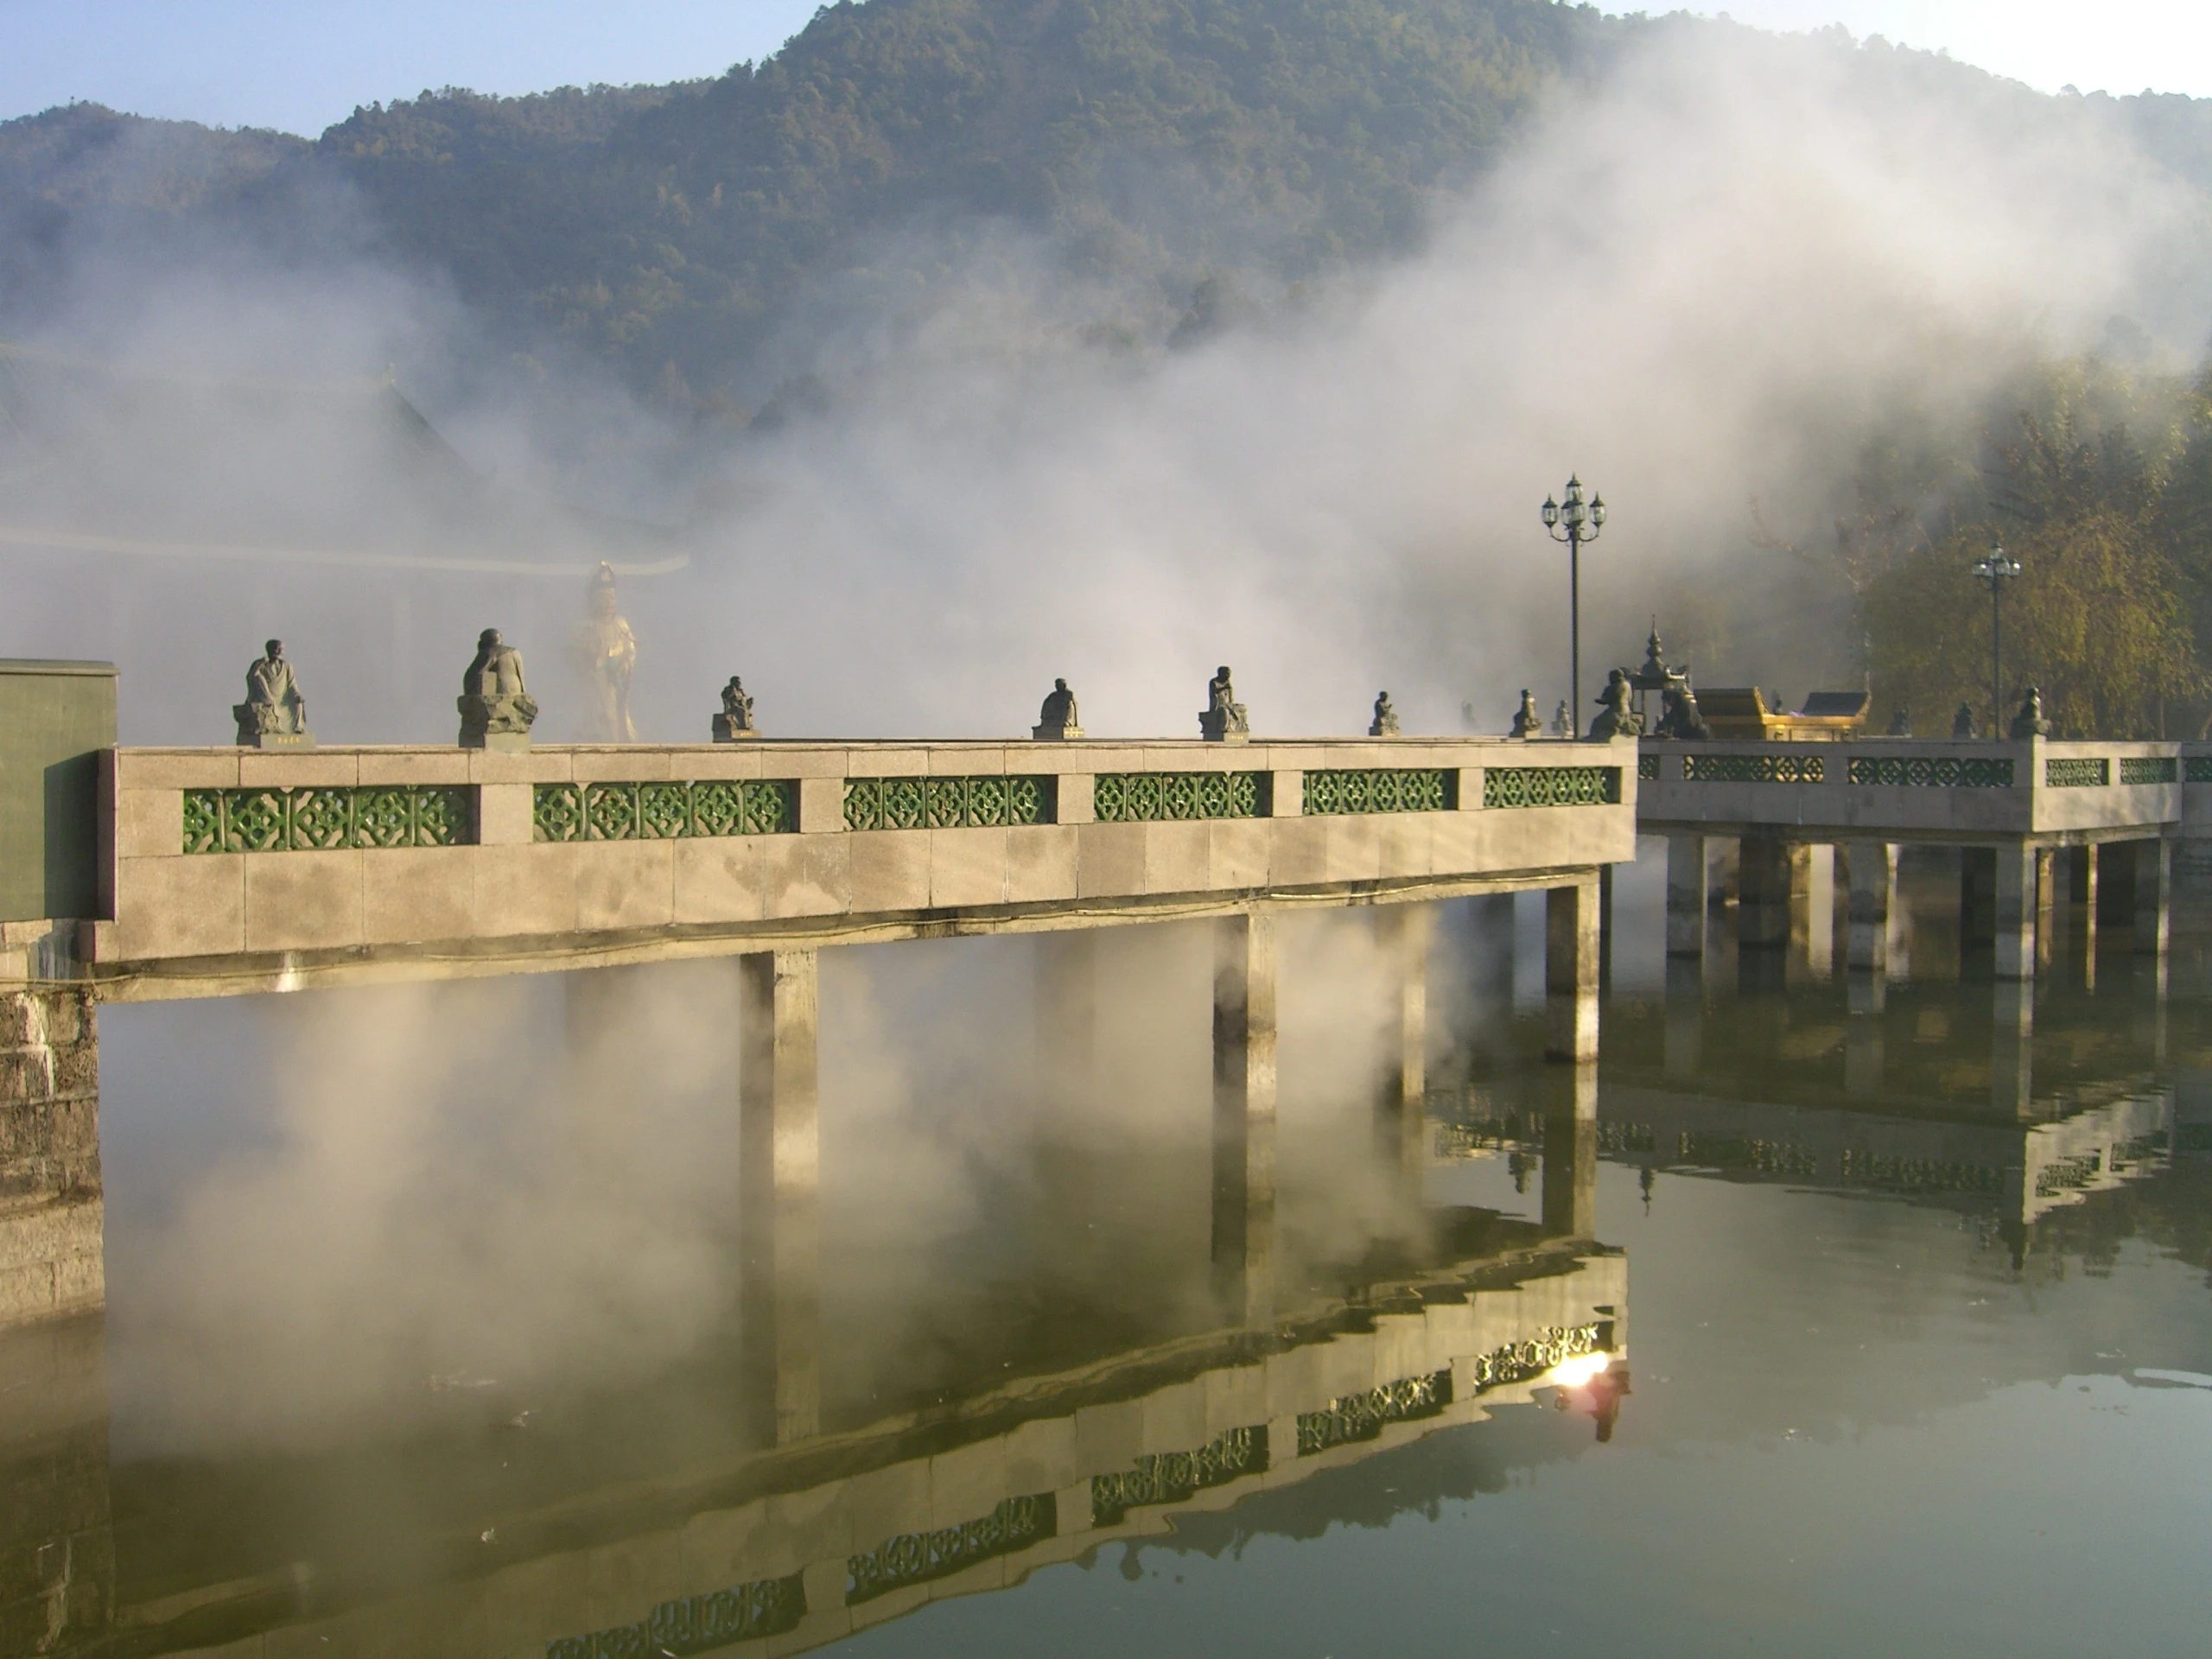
(1926, 786)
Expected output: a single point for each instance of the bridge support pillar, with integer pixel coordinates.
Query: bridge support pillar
(780, 1169)
(51, 1256)
(2015, 908)
(1571, 972)
(1686, 907)
(2154, 866)
(1873, 879)
(1570, 1171)
(2046, 904)
(2083, 890)
(2012, 1049)
(1244, 1116)
(1404, 932)
(1774, 887)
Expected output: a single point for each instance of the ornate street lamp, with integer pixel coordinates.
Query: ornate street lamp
(1997, 568)
(1575, 524)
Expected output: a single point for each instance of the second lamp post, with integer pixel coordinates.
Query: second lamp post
(1573, 523)
(1997, 568)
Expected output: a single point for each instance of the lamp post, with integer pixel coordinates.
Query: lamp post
(1997, 568)
(1573, 523)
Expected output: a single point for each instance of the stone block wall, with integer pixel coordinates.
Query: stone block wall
(57, 1543)
(50, 1209)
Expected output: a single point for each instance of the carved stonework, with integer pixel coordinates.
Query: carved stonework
(496, 710)
(274, 715)
(1527, 723)
(1058, 718)
(1385, 722)
(1223, 720)
(2030, 722)
(734, 723)
(1614, 719)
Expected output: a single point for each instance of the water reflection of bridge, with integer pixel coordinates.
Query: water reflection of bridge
(809, 1540)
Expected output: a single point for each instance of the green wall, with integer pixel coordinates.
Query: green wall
(54, 719)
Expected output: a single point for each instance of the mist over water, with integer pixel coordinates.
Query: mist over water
(1699, 279)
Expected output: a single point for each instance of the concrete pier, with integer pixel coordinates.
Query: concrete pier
(51, 1212)
(1571, 972)
(1874, 881)
(1570, 1173)
(1686, 895)
(1244, 1115)
(1404, 932)
(779, 1165)
(2013, 920)
(2154, 865)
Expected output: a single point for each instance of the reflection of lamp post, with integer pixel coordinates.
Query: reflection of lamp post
(1997, 568)
(1581, 524)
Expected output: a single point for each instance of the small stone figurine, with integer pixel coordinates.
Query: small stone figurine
(496, 711)
(1385, 723)
(1562, 722)
(274, 715)
(1225, 720)
(1058, 718)
(734, 723)
(1527, 723)
(2030, 722)
(1963, 722)
(1900, 722)
(1614, 719)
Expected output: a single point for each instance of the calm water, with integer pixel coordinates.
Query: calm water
(1864, 1321)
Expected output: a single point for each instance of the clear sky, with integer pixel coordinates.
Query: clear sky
(300, 65)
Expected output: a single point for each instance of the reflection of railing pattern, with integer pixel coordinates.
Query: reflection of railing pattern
(2141, 1149)
(1363, 1416)
(663, 811)
(2077, 774)
(945, 803)
(2068, 1174)
(1152, 797)
(1761, 1156)
(1504, 786)
(696, 1623)
(325, 820)
(1753, 768)
(1380, 789)
(2148, 769)
(1929, 771)
(1517, 1361)
(1174, 1476)
(918, 1557)
(1627, 1137)
(1900, 1174)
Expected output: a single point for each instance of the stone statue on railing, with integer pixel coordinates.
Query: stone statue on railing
(1527, 723)
(274, 715)
(1614, 719)
(734, 723)
(496, 710)
(2030, 722)
(605, 651)
(1562, 722)
(1963, 722)
(1679, 716)
(1385, 723)
(1225, 720)
(1900, 722)
(1058, 718)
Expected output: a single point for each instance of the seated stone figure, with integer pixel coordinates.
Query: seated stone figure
(274, 715)
(734, 723)
(1527, 723)
(1679, 716)
(1223, 720)
(1614, 719)
(1562, 722)
(2030, 722)
(1900, 722)
(496, 710)
(1963, 722)
(1059, 718)
(1385, 723)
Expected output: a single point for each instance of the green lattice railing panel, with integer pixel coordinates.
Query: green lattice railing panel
(1551, 786)
(662, 811)
(2149, 769)
(696, 1623)
(328, 820)
(1931, 771)
(1647, 768)
(918, 1557)
(1754, 768)
(1177, 1475)
(2077, 774)
(1363, 1416)
(1152, 797)
(1517, 1361)
(947, 803)
(2199, 770)
(1381, 789)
